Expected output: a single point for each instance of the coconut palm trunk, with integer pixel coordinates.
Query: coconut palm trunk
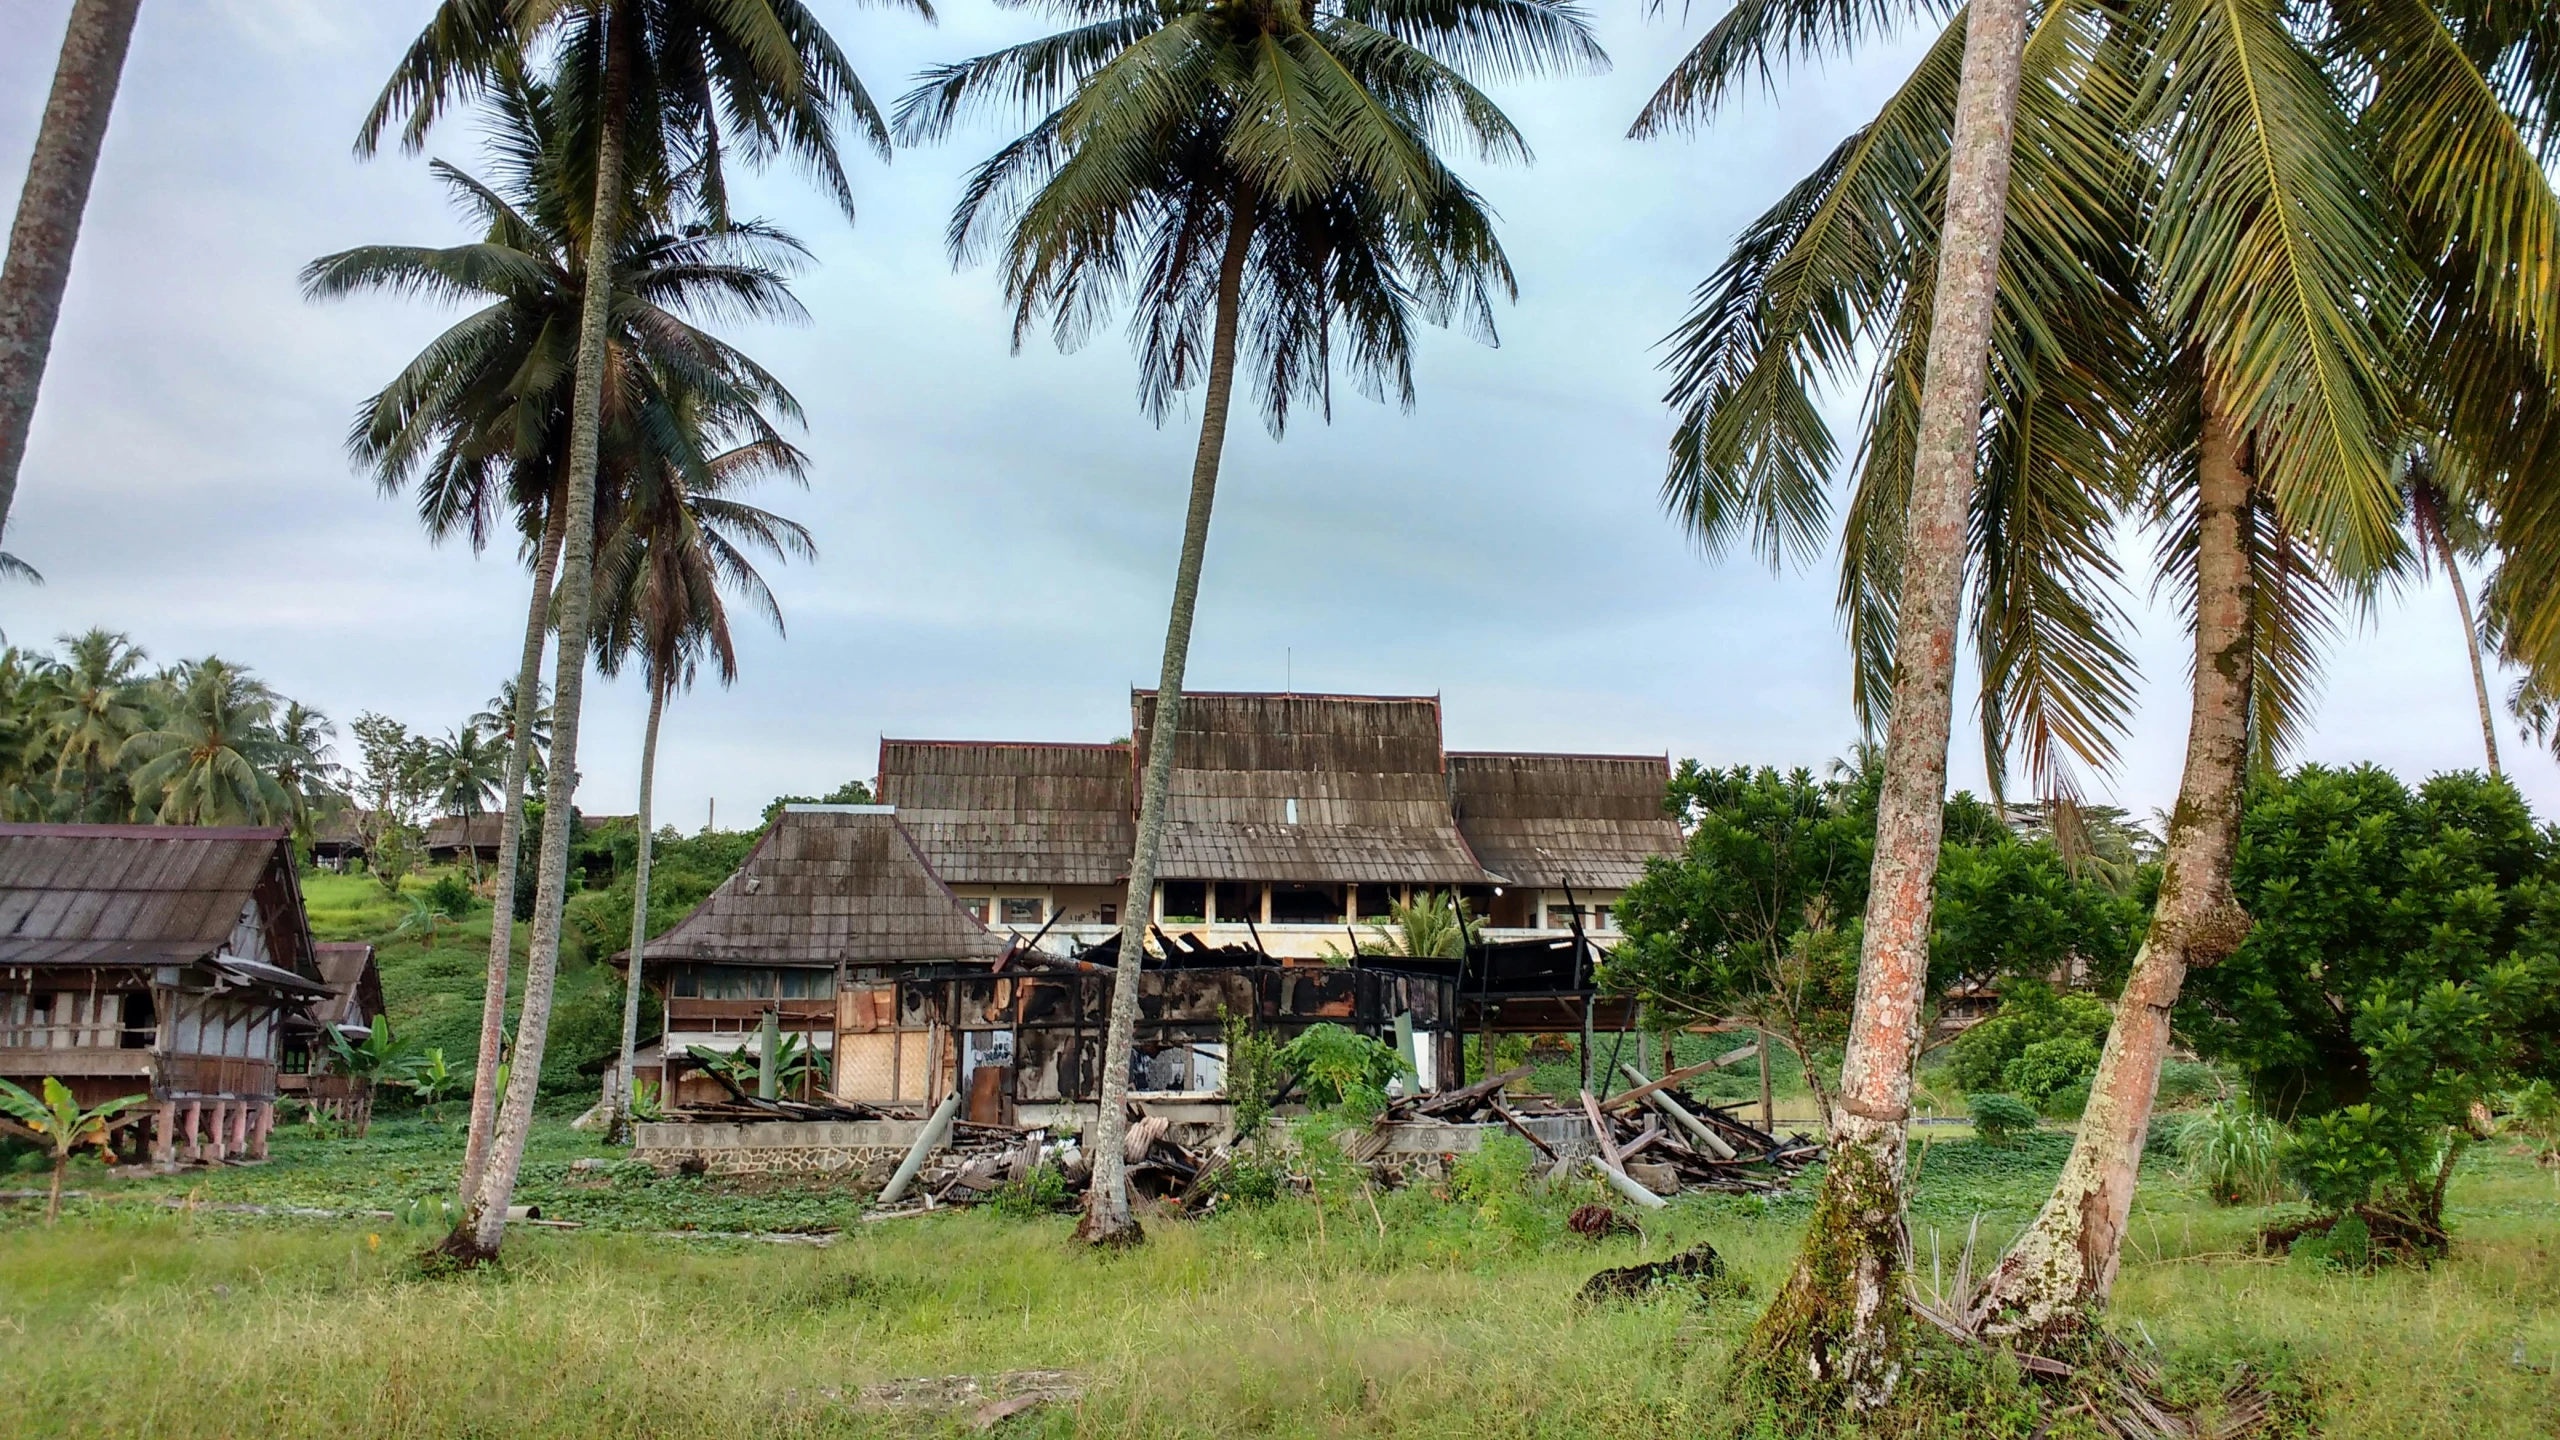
(618, 1087)
(2470, 645)
(483, 1225)
(1106, 1217)
(502, 899)
(1840, 1322)
(49, 211)
(2065, 1263)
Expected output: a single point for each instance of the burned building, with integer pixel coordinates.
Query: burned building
(1294, 822)
(157, 960)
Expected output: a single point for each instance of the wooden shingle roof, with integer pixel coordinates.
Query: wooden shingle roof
(828, 884)
(355, 983)
(1308, 788)
(1586, 821)
(147, 894)
(999, 813)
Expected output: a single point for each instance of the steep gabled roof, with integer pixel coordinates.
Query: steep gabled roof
(1003, 813)
(1308, 788)
(829, 883)
(1585, 821)
(148, 894)
(355, 983)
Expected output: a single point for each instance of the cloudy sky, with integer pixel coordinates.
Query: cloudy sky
(997, 531)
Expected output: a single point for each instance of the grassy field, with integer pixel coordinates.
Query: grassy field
(1406, 1313)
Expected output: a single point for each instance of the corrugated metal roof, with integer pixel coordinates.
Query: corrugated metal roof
(136, 894)
(1003, 813)
(825, 886)
(1587, 821)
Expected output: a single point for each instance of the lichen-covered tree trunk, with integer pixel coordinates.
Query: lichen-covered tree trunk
(1838, 1330)
(484, 1219)
(2061, 1269)
(617, 1084)
(49, 211)
(1106, 1210)
(502, 900)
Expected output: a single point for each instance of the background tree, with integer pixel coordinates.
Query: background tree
(394, 782)
(466, 770)
(49, 212)
(2405, 963)
(2447, 526)
(306, 768)
(664, 90)
(661, 576)
(1247, 174)
(211, 760)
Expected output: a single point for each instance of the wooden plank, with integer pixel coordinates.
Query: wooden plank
(1525, 1133)
(1600, 1131)
(1636, 1095)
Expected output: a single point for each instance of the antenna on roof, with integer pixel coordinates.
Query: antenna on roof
(1289, 670)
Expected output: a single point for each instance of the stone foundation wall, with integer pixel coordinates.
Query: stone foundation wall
(779, 1147)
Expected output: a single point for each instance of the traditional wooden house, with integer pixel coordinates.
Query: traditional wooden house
(351, 1008)
(455, 839)
(1295, 821)
(156, 959)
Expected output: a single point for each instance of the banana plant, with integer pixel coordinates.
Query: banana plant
(58, 1123)
(434, 1081)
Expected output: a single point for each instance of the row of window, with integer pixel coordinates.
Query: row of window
(1233, 901)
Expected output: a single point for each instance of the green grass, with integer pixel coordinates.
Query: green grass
(1292, 1319)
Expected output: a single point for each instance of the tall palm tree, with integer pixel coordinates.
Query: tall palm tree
(467, 769)
(498, 717)
(211, 760)
(2165, 153)
(1835, 1321)
(660, 88)
(98, 697)
(2446, 527)
(1248, 172)
(49, 213)
(312, 780)
(681, 542)
(479, 420)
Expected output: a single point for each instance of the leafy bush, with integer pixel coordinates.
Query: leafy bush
(2235, 1155)
(1999, 1118)
(2348, 1245)
(1042, 1192)
(2066, 1103)
(1253, 1075)
(2030, 1013)
(2184, 1082)
(450, 896)
(1341, 1068)
(2340, 1158)
(1493, 1174)
(2048, 1067)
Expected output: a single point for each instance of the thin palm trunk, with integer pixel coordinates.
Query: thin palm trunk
(484, 1220)
(2061, 1269)
(618, 1088)
(1106, 1218)
(2470, 645)
(1840, 1322)
(49, 211)
(502, 899)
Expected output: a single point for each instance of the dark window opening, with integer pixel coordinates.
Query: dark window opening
(1239, 900)
(1186, 899)
(1375, 901)
(1025, 910)
(1306, 904)
(141, 1025)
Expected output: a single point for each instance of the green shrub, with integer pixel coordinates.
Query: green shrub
(2184, 1082)
(2235, 1155)
(2030, 1013)
(2048, 1067)
(2065, 1103)
(1042, 1192)
(1999, 1118)
(1342, 1069)
(450, 896)
(2348, 1246)
(2340, 1158)
(1253, 1075)
(1493, 1174)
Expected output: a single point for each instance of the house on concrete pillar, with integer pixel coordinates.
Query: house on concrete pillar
(1295, 821)
(156, 959)
(350, 1010)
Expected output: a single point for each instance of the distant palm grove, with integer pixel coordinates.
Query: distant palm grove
(2273, 285)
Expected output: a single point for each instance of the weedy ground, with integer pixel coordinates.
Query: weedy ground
(1426, 1312)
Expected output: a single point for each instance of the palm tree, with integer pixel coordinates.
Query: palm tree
(1243, 171)
(498, 717)
(1834, 1320)
(311, 779)
(99, 698)
(480, 418)
(211, 759)
(2447, 526)
(662, 90)
(467, 770)
(659, 582)
(49, 212)
(2241, 415)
